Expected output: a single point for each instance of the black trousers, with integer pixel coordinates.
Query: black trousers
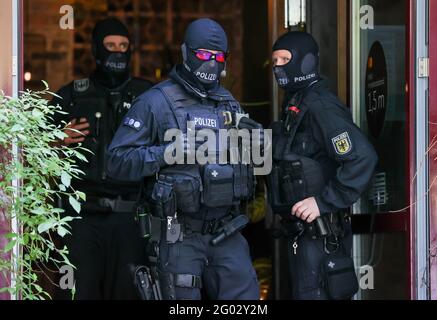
(105, 248)
(306, 265)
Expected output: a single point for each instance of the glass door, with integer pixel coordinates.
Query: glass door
(378, 96)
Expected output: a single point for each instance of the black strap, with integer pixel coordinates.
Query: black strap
(188, 281)
(109, 204)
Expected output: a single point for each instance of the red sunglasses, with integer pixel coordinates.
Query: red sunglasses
(208, 56)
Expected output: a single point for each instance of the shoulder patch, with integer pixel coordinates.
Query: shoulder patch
(342, 144)
(81, 85)
(133, 123)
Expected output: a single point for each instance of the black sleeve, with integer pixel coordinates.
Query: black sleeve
(334, 130)
(134, 152)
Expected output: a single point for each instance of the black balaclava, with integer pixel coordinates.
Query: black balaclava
(203, 34)
(303, 68)
(112, 67)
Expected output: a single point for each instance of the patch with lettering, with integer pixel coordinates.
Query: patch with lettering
(342, 144)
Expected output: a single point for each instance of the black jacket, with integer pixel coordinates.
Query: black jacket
(323, 130)
(87, 98)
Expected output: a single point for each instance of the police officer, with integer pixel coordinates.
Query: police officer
(322, 164)
(207, 196)
(104, 242)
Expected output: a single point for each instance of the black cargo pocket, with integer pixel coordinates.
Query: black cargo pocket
(218, 188)
(187, 185)
(244, 182)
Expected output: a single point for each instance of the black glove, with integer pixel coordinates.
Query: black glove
(180, 150)
(255, 140)
(249, 124)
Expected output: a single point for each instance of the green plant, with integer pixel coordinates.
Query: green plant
(45, 170)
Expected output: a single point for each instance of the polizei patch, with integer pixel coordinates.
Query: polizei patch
(205, 122)
(304, 78)
(342, 144)
(206, 76)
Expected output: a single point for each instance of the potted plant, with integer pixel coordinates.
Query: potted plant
(34, 174)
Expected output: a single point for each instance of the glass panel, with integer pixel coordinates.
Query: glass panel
(382, 262)
(382, 100)
(379, 46)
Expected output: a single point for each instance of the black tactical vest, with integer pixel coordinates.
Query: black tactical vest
(104, 110)
(294, 176)
(213, 185)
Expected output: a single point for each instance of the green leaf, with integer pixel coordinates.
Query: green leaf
(38, 288)
(74, 203)
(39, 211)
(44, 227)
(37, 114)
(66, 179)
(10, 245)
(62, 231)
(62, 187)
(17, 127)
(45, 84)
(60, 135)
(81, 157)
(5, 289)
(81, 195)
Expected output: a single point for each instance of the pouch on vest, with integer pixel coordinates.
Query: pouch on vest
(163, 198)
(244, 182)
(187, 185)
(218, 189)
(292, 180)
(341, 281)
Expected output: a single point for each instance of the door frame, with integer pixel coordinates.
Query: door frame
(418, 86)
(12, 76)
(433, 132)
(413, 220)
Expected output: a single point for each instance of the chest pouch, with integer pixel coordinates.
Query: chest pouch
(187, 185)
(218, 185)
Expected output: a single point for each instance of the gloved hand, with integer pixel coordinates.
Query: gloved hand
(256, 138)
(249, 124)
(187, 146)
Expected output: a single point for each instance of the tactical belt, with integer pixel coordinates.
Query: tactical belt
(329, 224)
(108, 205)
(191, 225)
